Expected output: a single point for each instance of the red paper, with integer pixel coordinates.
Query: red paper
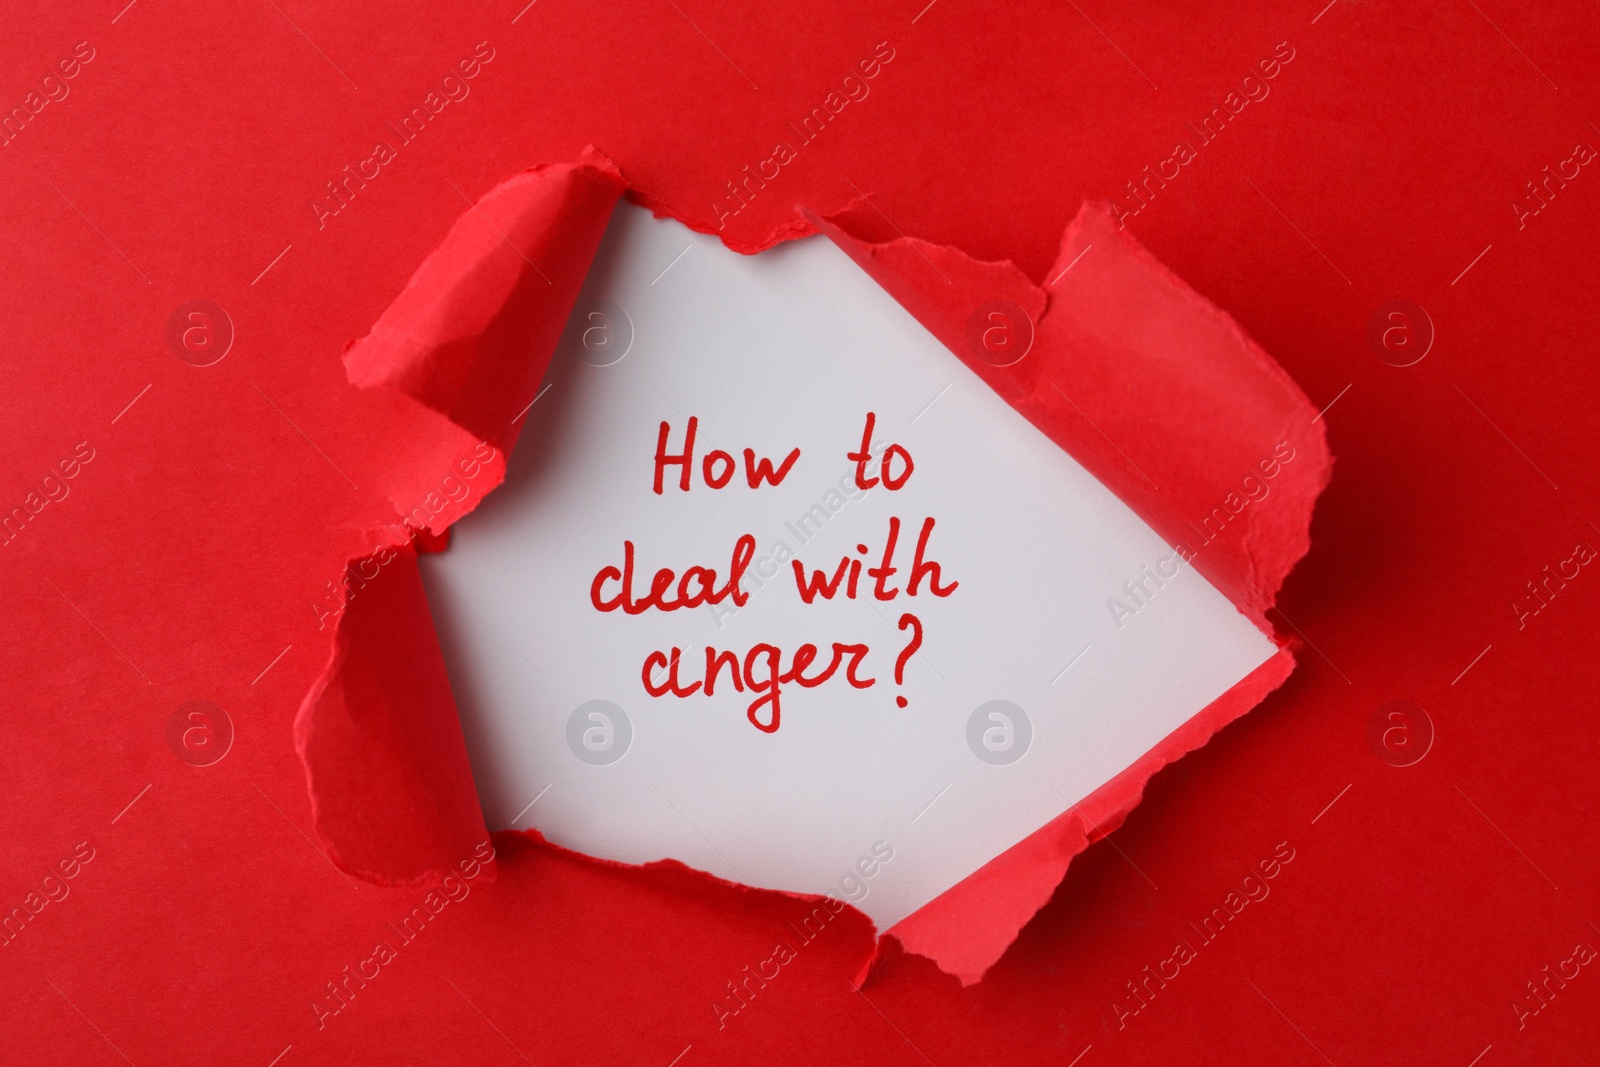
(188, 560)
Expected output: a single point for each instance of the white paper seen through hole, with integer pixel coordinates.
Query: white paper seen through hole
(1025, 695)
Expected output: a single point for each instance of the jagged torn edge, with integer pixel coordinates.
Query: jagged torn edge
(1151, 387)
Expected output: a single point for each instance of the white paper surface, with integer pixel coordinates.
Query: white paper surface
(791, 349)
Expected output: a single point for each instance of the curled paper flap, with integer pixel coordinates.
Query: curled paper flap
(1150, 386)
(473, 331)
(1172, 407)
(470, 338)
(386, 765)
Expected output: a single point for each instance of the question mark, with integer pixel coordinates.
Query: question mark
(915, 643)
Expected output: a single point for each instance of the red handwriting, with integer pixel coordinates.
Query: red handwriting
(763, 674)
(717, 467)
(863, 457)
(763, 671)
(921, 568)
(703, 578)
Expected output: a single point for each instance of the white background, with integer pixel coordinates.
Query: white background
(792, 348)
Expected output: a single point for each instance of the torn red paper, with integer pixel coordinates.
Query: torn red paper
(472, 333)
(1154, 390)
(469, 338)
(1170, 405)
(385, 761)
(1151, 387)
